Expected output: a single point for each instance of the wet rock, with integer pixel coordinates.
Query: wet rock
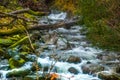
(107, 75)
(4, 64)
(33, 77)
(4, 67)
(13, 63)
(37, 77)
(31, 57)
(15, 78)
(73, 70)
(46, 68)
(20, 72)
(117, 69)
(30, 77)
(92, 68)
(74, 59)
(107, 56)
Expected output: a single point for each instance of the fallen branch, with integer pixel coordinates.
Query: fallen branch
(20, 11)
(29, 11)
(66, 24)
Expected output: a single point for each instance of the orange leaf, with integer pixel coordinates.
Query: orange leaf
(54, 76)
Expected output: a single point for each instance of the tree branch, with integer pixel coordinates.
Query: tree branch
(20, 11)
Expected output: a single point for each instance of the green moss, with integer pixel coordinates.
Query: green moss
(16, 63)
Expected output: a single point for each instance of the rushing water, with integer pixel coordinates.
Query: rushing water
(62, 70)
(79, 46)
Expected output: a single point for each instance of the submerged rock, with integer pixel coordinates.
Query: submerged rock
(4, 65)
(73, 70)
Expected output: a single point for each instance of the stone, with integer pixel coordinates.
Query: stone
(92, 68)
(33, 77)
(4, 64)
(74, 59)
(37, 77)
(16, 63)
(18, 73)
(73, 70)
(117, 69)
(15, 78)
(107, 75)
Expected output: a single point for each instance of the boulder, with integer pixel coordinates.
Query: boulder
(107, 75)
(73, 70)
(117, 69)
(16, 63)
(74, 59)
(20, 72)
(40, 76)
(34, 77)
(4, 64)
(92, 68)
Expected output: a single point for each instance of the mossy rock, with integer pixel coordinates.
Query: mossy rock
(108, 76)
(23, 55)
(16, 63)
(34, 77)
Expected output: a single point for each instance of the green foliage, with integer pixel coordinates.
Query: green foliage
(66, 5)
(101, 19)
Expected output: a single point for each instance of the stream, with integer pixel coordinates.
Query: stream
(65, 53)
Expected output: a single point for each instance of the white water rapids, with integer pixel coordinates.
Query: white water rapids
(86, 53)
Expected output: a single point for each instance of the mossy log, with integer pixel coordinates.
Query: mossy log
(11, 43)
(10, 31)
(23, 71)
(27, 10)
(6, 42)
(65, 24)
(19, 42)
